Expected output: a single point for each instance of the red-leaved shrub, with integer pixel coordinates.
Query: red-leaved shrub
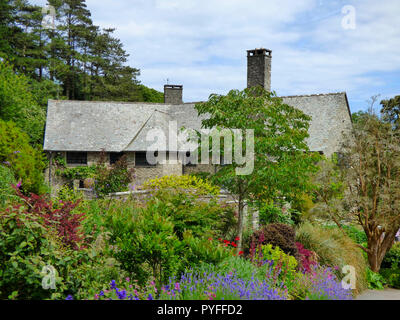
(306, 258)
(62, 220)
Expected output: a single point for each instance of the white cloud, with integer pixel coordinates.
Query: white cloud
(202, 44)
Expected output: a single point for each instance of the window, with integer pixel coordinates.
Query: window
(141, 159)
(76, 157)
(115, 156)
(188, 160)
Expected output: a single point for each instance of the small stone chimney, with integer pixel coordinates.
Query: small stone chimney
(173, 94)
(259, 68)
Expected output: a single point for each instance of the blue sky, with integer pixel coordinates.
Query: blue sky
(202, 44)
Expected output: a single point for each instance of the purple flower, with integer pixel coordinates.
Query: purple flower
(113, 285)
(19, 184)
(69, 297)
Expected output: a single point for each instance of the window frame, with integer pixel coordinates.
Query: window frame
(76, 160)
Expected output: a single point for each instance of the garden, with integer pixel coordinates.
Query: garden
(327, 226)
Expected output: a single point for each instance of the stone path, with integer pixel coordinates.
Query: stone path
(387, 294)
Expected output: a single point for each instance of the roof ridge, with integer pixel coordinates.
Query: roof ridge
(314, 94)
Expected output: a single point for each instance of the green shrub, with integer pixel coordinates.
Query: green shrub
(146, 245)
(17, 104)
(390, 268)
(28, 244)
(6, 180)
(26, 163)
(165, 235)
(285, 262)
(391, 277)
(67, 194)
(112, 179)
(392, 257)
(334, 249)
(202, 218)
(270, 213)
(375, 280)
(181, 183)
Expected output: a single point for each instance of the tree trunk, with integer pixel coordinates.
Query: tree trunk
(377, 248)
(240, 225)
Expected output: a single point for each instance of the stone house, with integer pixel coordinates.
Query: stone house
(79, 131)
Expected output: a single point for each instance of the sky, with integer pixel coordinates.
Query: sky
(318, 46)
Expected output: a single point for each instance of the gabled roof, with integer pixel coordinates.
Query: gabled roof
(110, 126)
(331, 118)
(120, 126)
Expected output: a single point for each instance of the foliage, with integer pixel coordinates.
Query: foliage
(78, 173)
(26, 246)
(333, 249)
(26, 163)
(307, 258)
(391, 110)
(271, 213)
(370, 167)
(146, 245)
(112, 179)
(276, 234)
(18, 105)
(283, 264)
(165, 235)
(391, 266)
(66, 194)
(320, 284)
(375, 280)
(279, 132)
(149, 95)
(66, 224)
(391, 277)
(357, 235)
(392, 257)
(181, 183)
(202, 218)
(6, 180)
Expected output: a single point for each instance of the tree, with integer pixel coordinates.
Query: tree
(26, 163)
(369, 172)
(391, 110)
(17, 104)
(282, 159)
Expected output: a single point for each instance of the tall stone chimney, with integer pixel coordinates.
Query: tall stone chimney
(259, 68)
(173, 94)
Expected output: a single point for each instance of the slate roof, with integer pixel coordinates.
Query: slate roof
(120, 126)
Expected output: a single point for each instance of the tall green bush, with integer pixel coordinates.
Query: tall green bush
(26, 162)
(17, 104)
